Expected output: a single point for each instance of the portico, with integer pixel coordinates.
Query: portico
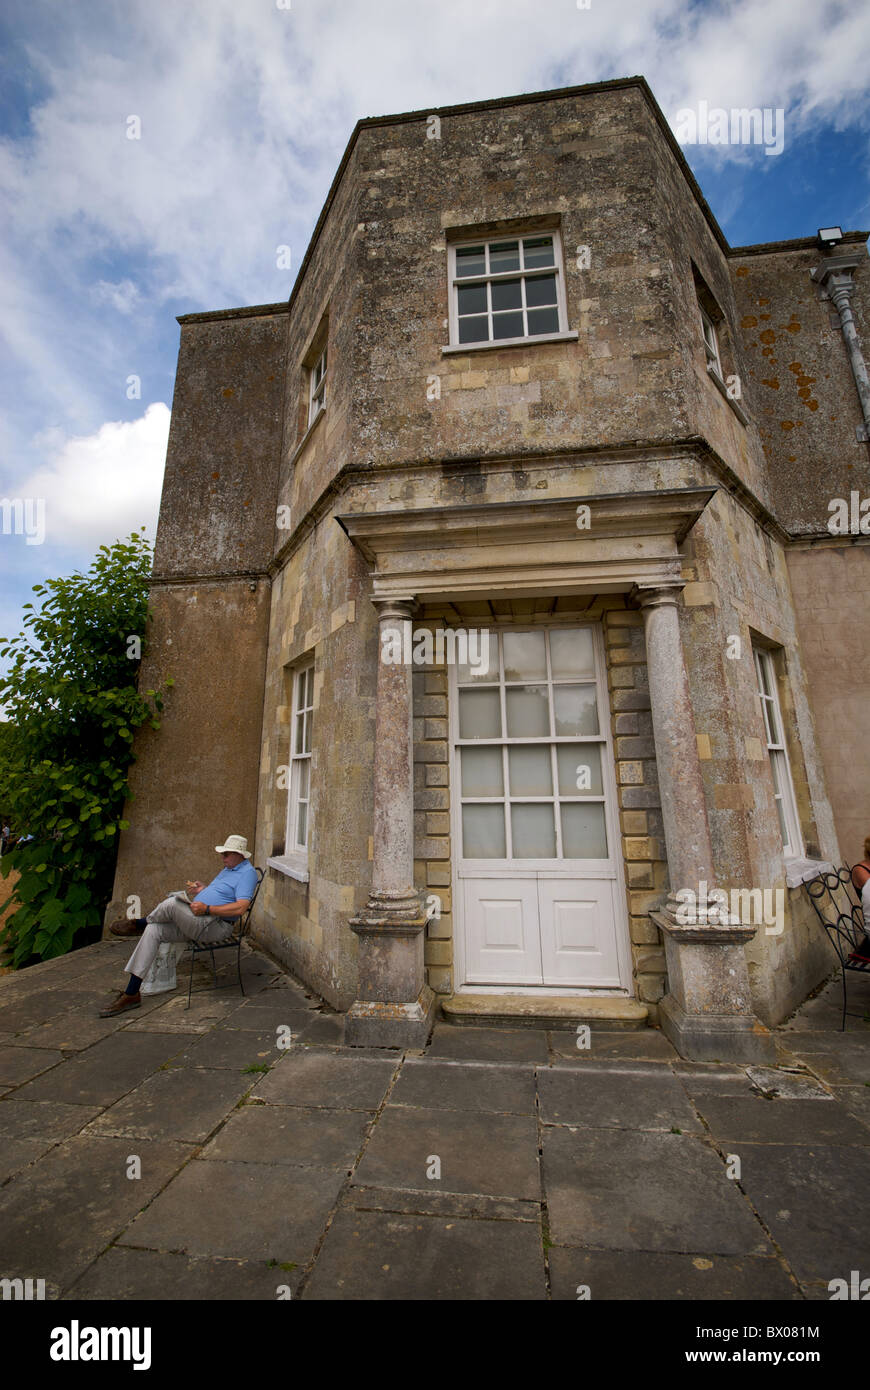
(606, 544)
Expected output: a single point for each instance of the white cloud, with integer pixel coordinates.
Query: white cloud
(100, 487)
(123, 296)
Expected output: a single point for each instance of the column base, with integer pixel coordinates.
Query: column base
(375, 1023)
(715, 1037)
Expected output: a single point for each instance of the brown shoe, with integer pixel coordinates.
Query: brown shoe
(122, 1004)
(125, 926)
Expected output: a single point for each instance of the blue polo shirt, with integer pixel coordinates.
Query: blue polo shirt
(230, 885)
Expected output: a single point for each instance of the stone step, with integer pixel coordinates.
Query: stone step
(604, 1014)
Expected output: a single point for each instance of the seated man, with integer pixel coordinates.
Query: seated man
(208, 917)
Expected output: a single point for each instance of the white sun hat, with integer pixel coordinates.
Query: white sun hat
(236, 844)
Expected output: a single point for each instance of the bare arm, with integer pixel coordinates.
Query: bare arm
(223, 910)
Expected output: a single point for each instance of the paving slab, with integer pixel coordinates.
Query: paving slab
(107, 1071)
(641, 1275)
(183, 1103)
(451, 1086)
(377, 1255)
(29, 1119)
(20, 1064)
(648, 1043)
(488, 1153)
(137, 1275)
(787, 1083)
(431, 1203)
(735, 1120)
(232, 1050)
(247, 1211)
(856, 1101)
(40, 1007)
(16, 1154)
(323, 1030)
(258, 1017)
(620, 1099)
(624, 1190)
(58, 1214)
(73, 1032)
(313, 1078)
(173, 1016)
(838, 1068)
(293, 1135)
(816, 1203)
(488, 1044)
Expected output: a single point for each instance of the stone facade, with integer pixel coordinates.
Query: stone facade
(444, 481)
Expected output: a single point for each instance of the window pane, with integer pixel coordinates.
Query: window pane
(470, 260)
(543, 321)
(527, 711)
(304, 771)
(474, 330)
(583, 833)
(483, 834)
(302, 825)
(533, 831)
(538, 251)
(472, 299)
(510, 325)
(300, 733)
(504, 255)
(482, 772)
(778, 790)
(541, 290)
(571, 653)
(761, 667)
(479, 714)
(506, 294)
(306, 742)
(531, 771)
(579, 767)
(525, 656)
(309, 687)
(575, 709)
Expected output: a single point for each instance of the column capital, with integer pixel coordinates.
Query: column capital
(657, 593)
(394, 608)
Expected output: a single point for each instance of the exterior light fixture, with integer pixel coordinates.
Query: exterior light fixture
(829, 236)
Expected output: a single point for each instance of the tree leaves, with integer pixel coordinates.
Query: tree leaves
(73, 708)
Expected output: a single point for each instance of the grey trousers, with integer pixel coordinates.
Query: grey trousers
(173, 920)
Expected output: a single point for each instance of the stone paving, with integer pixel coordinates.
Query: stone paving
(495, 1163)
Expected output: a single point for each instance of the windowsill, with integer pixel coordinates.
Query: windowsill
(291, 865)
(307, 435)
(798, 871)
(723, 392)
(458, 348)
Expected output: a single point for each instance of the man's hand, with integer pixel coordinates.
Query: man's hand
(195, 887)
(199, 909)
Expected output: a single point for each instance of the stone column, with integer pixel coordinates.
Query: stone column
(835, 277)
(707, 1012)
(394, 1006)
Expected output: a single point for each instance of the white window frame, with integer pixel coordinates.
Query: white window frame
(487, 240)
(317, 388)
(294, 861)
(711, 344)
(780, 768)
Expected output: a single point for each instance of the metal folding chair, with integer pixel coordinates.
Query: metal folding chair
(240, 931)
(842, 918)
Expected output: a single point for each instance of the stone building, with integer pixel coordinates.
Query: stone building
(526, 399)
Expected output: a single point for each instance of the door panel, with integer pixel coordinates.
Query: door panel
(504, 945)
(578, 943)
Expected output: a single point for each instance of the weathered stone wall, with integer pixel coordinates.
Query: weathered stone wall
(831, 584)
(195, 779)
(800, 383)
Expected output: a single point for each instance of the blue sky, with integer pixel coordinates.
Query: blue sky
(245, 110)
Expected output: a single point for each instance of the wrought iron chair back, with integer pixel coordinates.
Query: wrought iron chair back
(833, 895)
(239, 932)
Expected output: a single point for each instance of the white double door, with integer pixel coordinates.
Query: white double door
(540, 897)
